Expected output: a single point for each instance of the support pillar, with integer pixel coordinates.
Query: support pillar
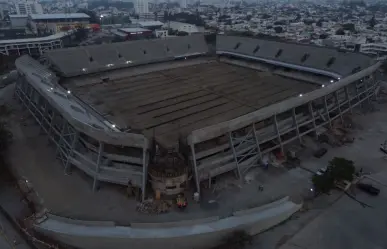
(339, 106)
(257, 142)
(348, 98)
(73, 144)
(327, 111)
(144, 172)
(313, 118)
(100, 151)
(295, 123)
(234, 152)
(197, 179)
(278, 133)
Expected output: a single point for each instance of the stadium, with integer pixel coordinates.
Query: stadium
(109, 108)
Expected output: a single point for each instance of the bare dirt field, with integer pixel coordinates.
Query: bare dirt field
(182, 99)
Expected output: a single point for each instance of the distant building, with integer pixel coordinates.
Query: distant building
(4, 9)
(152, 25)
(378, 49)
(141, 6)
(54, 23)
(183, 4)
(136, 33)
(32, 46)
(184, 27)
(18, 21)
(28, 7)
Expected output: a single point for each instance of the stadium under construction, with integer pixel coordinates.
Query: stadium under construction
(109, 108)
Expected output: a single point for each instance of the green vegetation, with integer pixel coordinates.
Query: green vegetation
(339, 169)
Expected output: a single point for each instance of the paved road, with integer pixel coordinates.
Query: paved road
(347, 224)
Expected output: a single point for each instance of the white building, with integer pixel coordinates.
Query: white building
(4, 9)
(183, 4)
(374, 48)
(184, 27)
(141, 6)
(28, 7)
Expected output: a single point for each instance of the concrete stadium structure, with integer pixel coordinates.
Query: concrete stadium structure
(231, 130)
(102, 106)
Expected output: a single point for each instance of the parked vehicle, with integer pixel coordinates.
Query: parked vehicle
(368, 188)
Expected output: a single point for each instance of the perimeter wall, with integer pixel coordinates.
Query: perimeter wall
(190, 234)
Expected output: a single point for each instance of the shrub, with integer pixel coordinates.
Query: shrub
(323, 183)
(341, 169)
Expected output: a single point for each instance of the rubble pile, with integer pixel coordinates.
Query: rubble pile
(154, 207)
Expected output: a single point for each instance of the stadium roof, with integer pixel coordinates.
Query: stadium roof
(34, 40)
(318, 58)
(84, 60)
(59, 16)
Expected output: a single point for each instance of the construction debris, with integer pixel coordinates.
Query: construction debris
(154, 207)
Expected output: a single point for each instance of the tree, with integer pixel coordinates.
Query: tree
(372, 22)
(93, 16)
(323, 183)
(323, 36)
(319, 23)
(341, 169)
(278, 29)
(349, 26)
(340, 32)
(182, 33)
(266, 16)
(81, 33)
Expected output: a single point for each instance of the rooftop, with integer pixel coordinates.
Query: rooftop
(149, 23)
(18, 16)
(133, 30)
(59, 16)
(34, 40)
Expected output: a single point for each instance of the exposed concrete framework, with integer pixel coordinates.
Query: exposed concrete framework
(31, 46)
(103, 157)
(252, 136)
(90, 141)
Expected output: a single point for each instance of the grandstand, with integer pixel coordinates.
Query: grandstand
(102, 105)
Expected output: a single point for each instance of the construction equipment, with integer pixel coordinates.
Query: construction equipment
(181, 202)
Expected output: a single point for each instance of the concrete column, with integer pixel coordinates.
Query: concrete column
(73, 144)
(197, 179)
(99, 158)
(310, 106)
(339, 106)
(278, 133)
(144, 172)
(327, 110)
(257, 142)
(234, 152)
(348, 98)
(295, 123)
